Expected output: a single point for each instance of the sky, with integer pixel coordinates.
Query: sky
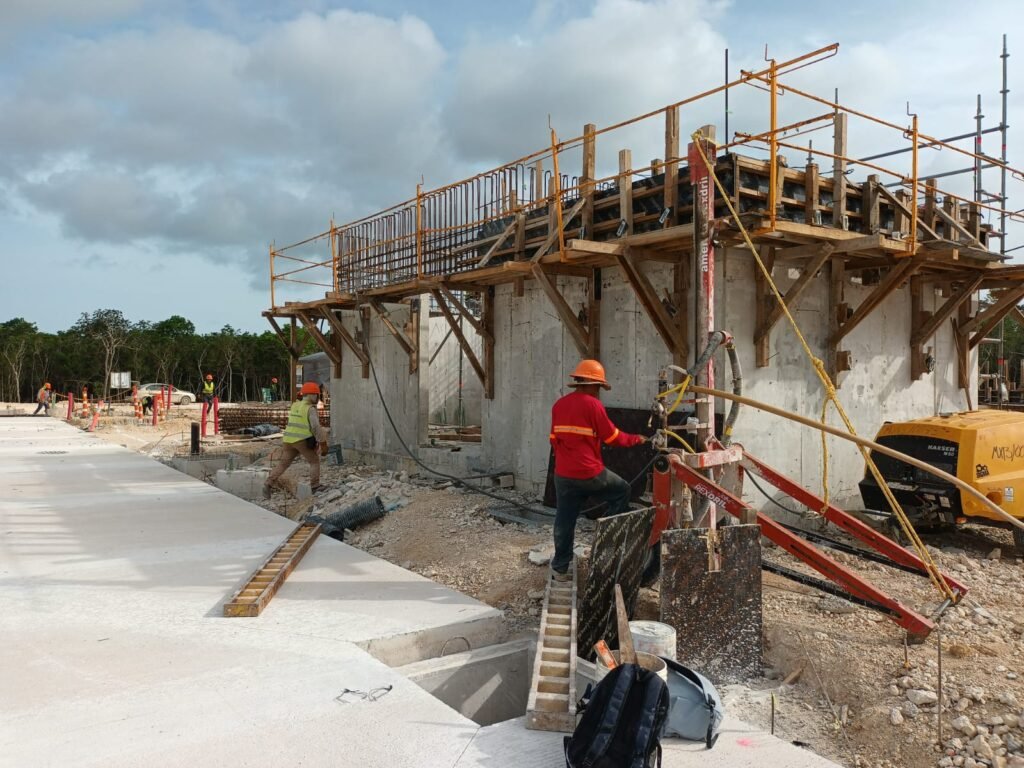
(152, 150)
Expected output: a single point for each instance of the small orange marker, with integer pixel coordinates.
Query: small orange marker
(601, 647)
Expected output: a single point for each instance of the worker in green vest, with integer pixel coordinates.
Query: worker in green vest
(208, 390)
(301, 437)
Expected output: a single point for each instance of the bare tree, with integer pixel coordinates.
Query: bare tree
(111, 331)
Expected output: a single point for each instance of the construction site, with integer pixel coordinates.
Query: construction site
(822, 520)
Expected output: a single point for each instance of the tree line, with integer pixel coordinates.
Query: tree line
(166, 352)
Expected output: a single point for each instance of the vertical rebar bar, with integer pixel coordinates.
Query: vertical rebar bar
(773, 147)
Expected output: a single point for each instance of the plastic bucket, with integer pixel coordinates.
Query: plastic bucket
(645, 660)
(654, 638)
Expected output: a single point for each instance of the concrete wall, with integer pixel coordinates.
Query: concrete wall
(358, 419)
(534, 356)
(445, 376)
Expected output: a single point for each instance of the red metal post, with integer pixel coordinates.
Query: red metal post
(203, 421)
(156, 410)
(216, 415)
(71, 405)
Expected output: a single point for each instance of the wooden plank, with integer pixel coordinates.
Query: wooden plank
(793, 294)
(319, 338)
(260, 588)
(400, 337)
(917, 356)
(594, 314)
(943, 313)
(627, 654)
(463, 342)
(342, 332)
(649, 300)
(625, 191)
(957, 227)
(478, 326)
(670, 189)
(552, 237)
(577, 332)
(551, 704)
(896, 277)
(839, 170)
(836, 314)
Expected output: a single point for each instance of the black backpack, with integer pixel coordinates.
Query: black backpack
(623, 721)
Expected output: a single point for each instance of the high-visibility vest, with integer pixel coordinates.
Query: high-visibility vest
(298, 422)
(208, 388)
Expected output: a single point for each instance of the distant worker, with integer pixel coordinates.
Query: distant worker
(208, 390)
(301, 437)
(43, 400)
(579, 427)
(273, 389)
(147, 404)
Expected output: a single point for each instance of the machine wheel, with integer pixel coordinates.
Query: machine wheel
(185, 400)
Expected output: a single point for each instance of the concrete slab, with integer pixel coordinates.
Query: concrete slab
(113, 570)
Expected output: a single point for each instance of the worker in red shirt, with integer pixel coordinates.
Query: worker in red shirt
(579, 427)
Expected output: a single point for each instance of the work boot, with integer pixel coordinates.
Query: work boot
(267, 490)
(560, 575)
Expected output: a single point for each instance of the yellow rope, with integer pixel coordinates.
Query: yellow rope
(686, 445)
(933, 572)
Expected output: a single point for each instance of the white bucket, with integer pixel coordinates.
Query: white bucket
(645, 660)
(654, 638)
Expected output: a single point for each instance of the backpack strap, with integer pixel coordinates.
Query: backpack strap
(654, 692)
(615, 706)
(711, 737)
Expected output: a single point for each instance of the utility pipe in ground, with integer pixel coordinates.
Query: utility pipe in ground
(865, 443)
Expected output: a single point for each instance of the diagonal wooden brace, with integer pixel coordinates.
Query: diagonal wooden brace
(463, 342)
(322, 341)
(344, 335)
(580, 335)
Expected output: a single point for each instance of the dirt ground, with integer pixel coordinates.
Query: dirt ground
(843, 682)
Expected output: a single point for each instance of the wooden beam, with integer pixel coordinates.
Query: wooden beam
(670, 189)
(957, 227)
(552, 237)
(319, 338)
(335, 322)
(589, 173)
(626, 190)
(896, 277)
(463, 342)
(292, 383)
(869, 204)
(478, 325)
(487, 318)
(917, 313)
(680, 298)
(400, 337)
(943, 313)
(580, 335)
(906, 212)
(989, 318)
(811, 192)
(761, 333)
(839, 170)
(649, 300)
(288, 344)
(838, 360)
(497, 243)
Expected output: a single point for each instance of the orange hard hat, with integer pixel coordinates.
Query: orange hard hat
(46, 385)
(589, 372)
(310, 388)
(209, 377)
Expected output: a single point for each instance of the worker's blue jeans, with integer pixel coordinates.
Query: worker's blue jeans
(570, 493)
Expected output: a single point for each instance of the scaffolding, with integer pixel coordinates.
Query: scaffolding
(528, 220)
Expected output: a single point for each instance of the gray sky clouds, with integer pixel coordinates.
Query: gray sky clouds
(142, 135)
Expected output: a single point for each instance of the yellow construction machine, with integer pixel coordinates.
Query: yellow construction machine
(983, 448)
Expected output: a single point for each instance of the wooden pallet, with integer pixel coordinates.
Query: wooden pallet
(254, 595)
(552, 702)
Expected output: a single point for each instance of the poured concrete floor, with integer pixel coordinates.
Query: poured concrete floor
(113, 571)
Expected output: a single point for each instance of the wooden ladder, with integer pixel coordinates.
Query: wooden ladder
(552, 703)
(254, 595)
